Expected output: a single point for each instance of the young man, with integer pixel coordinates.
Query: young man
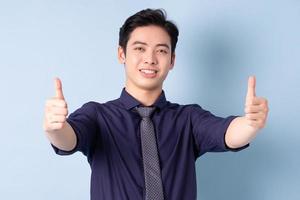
(141, 146)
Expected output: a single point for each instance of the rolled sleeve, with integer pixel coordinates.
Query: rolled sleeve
(84, 123)
(209, 131)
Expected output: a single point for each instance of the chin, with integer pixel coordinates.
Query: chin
(149, 87)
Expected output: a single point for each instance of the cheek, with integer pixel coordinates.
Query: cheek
(167, 64)
(132, 63)
(165, 59)
(133, 59)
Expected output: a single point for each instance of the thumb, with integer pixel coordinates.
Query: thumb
(251, 89)
(58, 89)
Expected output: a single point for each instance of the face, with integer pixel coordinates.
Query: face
(148, 58)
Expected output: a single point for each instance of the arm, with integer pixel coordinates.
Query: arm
(57, 129)
(242, 130)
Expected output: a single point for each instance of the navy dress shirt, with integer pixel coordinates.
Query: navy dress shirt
(108, 134)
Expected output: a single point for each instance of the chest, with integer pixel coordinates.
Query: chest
(121, 135)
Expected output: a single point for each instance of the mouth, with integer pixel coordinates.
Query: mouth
(148, 73)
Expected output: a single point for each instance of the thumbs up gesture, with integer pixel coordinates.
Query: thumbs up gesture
(256, 108)
(56, 110)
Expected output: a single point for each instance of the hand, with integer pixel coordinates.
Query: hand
(256, 108)
(56, 110)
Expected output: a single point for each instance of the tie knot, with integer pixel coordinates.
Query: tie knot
(145, 111)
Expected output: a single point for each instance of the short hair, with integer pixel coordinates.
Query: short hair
(145, 18)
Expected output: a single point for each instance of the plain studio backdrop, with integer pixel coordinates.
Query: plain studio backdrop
(220, 44)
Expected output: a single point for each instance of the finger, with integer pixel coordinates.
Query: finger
(254, 109)
(259, 101)
(56, 103)
(57, 111)
(55, 126)
(255, 116)
(251, 89)
(56, 119)
(58, 89)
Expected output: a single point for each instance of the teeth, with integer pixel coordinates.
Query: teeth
(148, 71)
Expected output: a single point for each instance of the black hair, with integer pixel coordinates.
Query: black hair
(145, 18)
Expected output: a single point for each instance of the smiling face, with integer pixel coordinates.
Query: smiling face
(148, 58)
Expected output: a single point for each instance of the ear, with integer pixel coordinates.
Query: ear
(121, 55)
(172, 61)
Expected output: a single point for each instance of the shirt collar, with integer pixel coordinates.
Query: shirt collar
(130, 102)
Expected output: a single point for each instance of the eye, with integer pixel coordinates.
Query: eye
(163, 51)
(139, 49)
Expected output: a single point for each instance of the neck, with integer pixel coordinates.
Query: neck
(144, 96)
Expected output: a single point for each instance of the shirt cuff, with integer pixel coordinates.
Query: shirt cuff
(236, 149)
(63, 152)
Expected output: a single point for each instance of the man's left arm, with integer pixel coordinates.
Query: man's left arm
(243, 129)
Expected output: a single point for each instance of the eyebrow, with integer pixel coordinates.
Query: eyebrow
(144, 43)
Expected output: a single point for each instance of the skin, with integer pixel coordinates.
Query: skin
(149, 47)
(58, 131)
(242, 130)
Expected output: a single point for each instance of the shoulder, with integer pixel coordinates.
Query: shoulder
(89, 109)
(190, 111)
(190, 108)
(98, 105)
(91, 105)
(112, 107)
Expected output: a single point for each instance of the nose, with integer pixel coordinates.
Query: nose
(150, 58)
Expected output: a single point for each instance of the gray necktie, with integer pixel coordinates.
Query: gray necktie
(153, 182)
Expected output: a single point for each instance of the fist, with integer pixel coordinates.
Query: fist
(256, 108)
(56, 110)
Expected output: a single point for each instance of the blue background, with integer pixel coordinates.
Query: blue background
(221, 43)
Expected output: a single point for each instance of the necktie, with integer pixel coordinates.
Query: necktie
(153, 182)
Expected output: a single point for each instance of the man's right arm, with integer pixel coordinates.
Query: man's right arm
(58, 130)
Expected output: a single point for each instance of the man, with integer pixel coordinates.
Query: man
(141, 146)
